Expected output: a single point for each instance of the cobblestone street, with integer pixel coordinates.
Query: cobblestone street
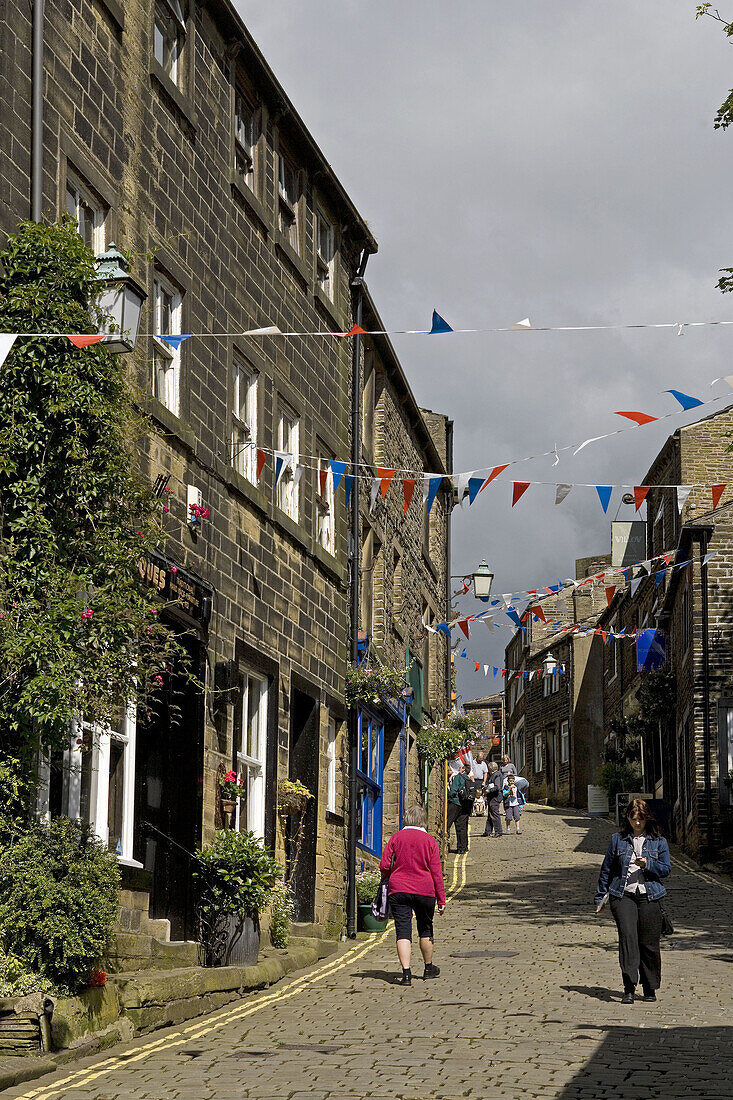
(527, 1004)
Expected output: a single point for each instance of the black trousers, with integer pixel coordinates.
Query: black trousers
(493, 816)
(459, 817)
(639, 923)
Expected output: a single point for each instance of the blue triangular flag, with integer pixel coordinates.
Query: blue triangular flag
(604, 495)
(439, 324)
(174, 341)
(463, 653)
(659, 576)
(511, 614)
(495, 670)
(433, 486)
(348, 485)
(685, 400)
(442, 628)
(474, 487)
(337, 471)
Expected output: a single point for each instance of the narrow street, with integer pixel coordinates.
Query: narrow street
(527, 1003)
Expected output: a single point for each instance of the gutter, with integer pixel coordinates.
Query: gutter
(37, 113)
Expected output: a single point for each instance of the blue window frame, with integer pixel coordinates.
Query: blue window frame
(369, 771)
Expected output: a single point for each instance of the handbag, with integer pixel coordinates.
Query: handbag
(667, 927)
(380, 905)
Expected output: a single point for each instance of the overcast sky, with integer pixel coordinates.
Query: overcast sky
(555, 160)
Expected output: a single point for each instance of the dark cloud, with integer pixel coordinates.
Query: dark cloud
(551, 159)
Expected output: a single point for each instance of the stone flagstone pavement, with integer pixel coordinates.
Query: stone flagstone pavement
(527, 1004)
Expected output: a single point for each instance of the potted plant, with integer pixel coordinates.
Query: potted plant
(292, 802)
(230, 790)
(292, 797)
(366, 887)
(374, 684)
(235, 876)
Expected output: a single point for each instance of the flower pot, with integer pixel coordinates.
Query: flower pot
(228, 805)
(366, 922)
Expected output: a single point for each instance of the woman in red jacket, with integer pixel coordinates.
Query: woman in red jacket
(415, 883)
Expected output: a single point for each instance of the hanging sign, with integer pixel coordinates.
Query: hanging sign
(628, 542)
(191, 597)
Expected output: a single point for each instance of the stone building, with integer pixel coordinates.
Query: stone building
(487, 714)
(165, 131)
(686, 752)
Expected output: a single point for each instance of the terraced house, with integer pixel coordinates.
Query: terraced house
(164, 130)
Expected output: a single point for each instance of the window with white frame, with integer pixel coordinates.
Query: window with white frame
(244, 419)
(250, 746)
(288, 195)
(88, 211)
(245, 137)
(368, 403)
(332, 761)
(538, 753)
(325, 510)
(169, 34)
(167, 318)
(325, 254)
(288, 441)
(685, 619)
(551, 681)
(564, 742)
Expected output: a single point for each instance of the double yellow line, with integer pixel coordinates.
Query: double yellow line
(228, 1015)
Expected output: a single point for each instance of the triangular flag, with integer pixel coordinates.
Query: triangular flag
(268, 330)
(659, 576)
(507, 598)
(478, 666)
(385, 476)
(297, 475)
(518, 325)
(86, 341)
(683, 492)
(374, 493)
(495, 670)
(489, 623)
(337, 472)
(639, 417)
(322, 479)
(7, 339)
(604, 495)
(463, 624)
(717, 491)
(511, 614)
(475, 485)
(443, 628)
(494, 473)
(666, 558)
(282, 461)
(408, 488)
(433, 484)
(348, 486)
(538, 612)
(439, 325)
(486, 670)
(603, 635)
(355, 330)
(586, 442)
(640, 492)
(685, 400)
(561, 491)
(461, 484)
(261, 460)
(174, 341)
(610, 593)
(707, 557)
(463, 653)
(519, 488)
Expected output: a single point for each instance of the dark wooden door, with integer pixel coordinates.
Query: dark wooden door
(303, 765)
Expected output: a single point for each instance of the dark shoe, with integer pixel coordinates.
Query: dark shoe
(406, 979)
(431, 971)
(649, 996)
(627, 999)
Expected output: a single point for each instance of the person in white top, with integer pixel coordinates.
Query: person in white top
(479, 771)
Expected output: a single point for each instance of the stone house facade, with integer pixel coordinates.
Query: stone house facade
(487, 714)
(165, 130)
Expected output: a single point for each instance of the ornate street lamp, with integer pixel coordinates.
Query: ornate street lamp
(121, 298)
(549, 665)
(482, 579)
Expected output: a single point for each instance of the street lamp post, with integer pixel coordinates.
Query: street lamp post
(121, 299)
(482, 579)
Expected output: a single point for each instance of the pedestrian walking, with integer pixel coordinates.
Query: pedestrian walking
(494, 788)
(479, 772)
(460, 805)
(415, 884)
(507, 768)
(636, 860)
(514, 800)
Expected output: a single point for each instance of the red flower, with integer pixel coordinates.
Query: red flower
(98, 977)
(231, 777)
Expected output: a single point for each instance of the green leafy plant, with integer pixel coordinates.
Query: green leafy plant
(366, 886)
(235, 876)
(58, 901)
(372, 684)
(281, 915)
(438, 741)
(78, 632)
(16, 980)
(230, 786)
(292, 797)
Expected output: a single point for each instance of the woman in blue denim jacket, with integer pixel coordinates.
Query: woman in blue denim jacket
(636, 861)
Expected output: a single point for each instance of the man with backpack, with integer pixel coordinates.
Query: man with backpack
(461, 796)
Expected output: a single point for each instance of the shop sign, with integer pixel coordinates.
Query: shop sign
(189, 595)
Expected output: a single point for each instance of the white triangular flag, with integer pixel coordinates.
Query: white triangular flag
(561, 492)
(707, 557)
(461, 483)
(526, 323)
(374, 493)
(634, 585)
(270, 330)
(489, 622)
(507, 598)
(283, 461)
(586, 442)
(725, 378)
(7, 339)
(298, 475)
(486, 670)
(683, 491)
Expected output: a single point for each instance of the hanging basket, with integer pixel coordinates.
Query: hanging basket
(292, 798)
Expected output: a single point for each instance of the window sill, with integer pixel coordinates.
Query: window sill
(174, 94)
(115, 12)
(398, 628)
(253, 204)
(294, 259)
(334, 818)
(329, 307)
(172, 424)
(241, 485)
(331, 564)
(290, 527)
(429, 564)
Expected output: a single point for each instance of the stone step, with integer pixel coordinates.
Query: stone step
(137, 951)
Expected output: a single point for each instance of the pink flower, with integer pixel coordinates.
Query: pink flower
(166, 508)
(174, 569)
(231, 777)
(375, 699)
(150, 630)
(87, 614)
(157, 679)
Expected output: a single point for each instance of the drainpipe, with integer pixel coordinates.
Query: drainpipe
(357, 288)
(37, 113)
(703, 536)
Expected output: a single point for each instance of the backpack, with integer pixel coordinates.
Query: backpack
(467, 793)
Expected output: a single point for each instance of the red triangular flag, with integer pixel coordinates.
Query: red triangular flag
(478, 665)
(85, 341)
(668, 557)
(463, 624)
(261, 460)
(494, 473)
(322, 479)
(518, 489)
(537, 610)
(717, 494)
(354, 330)
(640, 492)
(385, 476)
(603, 635)
(610, 593)
(408, 488)
(640, 418)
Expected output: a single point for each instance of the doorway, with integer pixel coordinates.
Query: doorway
(303, 765)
